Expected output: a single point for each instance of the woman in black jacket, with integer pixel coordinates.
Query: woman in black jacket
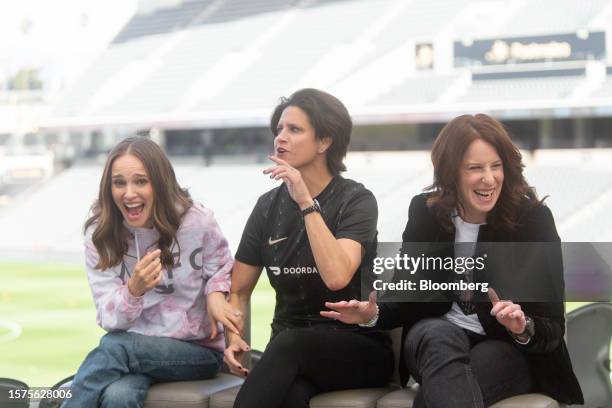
(464, 350)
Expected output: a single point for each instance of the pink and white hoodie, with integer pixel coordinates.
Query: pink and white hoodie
(177, 306)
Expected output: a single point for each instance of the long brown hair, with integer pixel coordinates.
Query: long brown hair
(171, 202)
(447, 155)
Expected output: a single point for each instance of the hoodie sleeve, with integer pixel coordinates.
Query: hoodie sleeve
(116, 308)
(217, 259)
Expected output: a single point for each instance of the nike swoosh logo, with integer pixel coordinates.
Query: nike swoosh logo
(276, 241)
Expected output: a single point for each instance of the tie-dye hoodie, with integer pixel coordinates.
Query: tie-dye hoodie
(177, 306)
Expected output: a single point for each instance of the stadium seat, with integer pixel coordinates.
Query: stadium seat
(188, 394)
(528, 401)
(178, 394)
(403, 399)
(398, 399)
(385, 397)
(225, 398)
(360, 398)
(589, 330)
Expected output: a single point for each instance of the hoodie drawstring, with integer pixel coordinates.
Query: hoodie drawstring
(137, 249)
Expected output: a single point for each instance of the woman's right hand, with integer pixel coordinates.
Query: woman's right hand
(146, 275)
(234, 354)
(353, 311)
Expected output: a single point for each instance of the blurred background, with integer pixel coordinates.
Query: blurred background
(201, 77)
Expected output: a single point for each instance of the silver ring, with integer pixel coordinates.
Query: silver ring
(237, 313)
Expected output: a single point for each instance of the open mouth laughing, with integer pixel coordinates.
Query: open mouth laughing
(134, 210)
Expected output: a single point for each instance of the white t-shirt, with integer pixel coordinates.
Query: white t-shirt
(464, 232)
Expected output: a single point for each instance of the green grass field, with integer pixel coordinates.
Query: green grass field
(53, 306)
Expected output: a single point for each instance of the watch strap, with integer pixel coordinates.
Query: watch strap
(525, 337)
(315, 207)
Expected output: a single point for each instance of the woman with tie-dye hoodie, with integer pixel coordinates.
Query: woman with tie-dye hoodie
(159, 270)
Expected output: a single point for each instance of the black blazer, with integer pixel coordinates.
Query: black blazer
(546, 352)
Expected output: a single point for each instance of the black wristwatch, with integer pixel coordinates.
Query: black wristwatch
(314, 207)
(527, 334)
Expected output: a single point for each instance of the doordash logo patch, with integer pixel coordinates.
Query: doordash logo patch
(292, 270)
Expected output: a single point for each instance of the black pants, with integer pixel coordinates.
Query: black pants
(459, 369)
(299, 363)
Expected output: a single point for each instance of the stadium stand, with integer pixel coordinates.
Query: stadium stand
(393, 177)
(550, 16)
(162, 65)
(521, 89)
(108, 78)
(236, 9)
(164, 20)
(417, 90)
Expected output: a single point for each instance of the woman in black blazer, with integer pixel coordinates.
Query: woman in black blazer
(466, 352)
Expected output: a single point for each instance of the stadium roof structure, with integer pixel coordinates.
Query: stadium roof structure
(225, 63)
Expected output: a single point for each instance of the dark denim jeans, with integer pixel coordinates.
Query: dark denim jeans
(459, 369)
(119, 372)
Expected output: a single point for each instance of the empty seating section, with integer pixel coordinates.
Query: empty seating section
(394, 178)
(163, 20)
(82, 97)
(598, 224)
(419, 89)
(550, 88)
(232, 57)
(36, 230)
(419, 20)
(235, 9)
(552, 16)
(570, 189)
(416, 20)
(575, 193)
(291, 53)
(183, 66)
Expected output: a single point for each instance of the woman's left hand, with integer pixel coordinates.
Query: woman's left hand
(219, 310)
(507, 313)
(293, 180)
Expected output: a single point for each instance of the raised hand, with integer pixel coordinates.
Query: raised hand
(353, 311)
(147, 274)
(507, 313)
(292, 179)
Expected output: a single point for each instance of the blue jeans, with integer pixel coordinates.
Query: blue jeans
(119, 372)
